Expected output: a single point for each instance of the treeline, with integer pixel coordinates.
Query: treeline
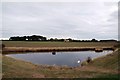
(28, 38)
(42, 38)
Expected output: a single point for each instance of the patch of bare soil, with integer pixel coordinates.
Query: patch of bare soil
(38, 76)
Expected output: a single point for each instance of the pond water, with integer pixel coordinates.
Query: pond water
(58, 58)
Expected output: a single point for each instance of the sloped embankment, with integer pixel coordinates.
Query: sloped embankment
(101, 67)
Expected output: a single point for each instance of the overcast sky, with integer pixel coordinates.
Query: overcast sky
(77, 20)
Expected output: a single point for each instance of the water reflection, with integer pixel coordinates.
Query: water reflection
(62, 58)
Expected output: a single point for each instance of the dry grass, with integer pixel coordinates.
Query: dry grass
(100, 67)
(27, 46)
(57, 44)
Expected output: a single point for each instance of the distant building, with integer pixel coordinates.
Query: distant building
(66, 40)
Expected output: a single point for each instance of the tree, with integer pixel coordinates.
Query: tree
(93, 40)
(28, 38)
(51, 39)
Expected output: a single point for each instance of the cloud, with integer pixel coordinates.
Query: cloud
(83, 20)
(60, 0)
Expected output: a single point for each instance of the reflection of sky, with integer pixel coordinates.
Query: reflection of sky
(61, 58)
(84, 20)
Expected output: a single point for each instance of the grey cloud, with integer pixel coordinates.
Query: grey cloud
(61, 20)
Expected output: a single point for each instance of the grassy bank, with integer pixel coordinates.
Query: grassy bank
(50, 49)
(102, 67)
(30, 46)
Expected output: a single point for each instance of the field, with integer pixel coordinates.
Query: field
(35, 46)
(57, 44)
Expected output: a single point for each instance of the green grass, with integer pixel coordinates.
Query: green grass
(57, 44)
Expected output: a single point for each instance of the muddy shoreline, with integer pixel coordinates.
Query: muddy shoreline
(49, 49)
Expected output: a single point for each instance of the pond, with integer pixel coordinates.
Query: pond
(59, 58)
